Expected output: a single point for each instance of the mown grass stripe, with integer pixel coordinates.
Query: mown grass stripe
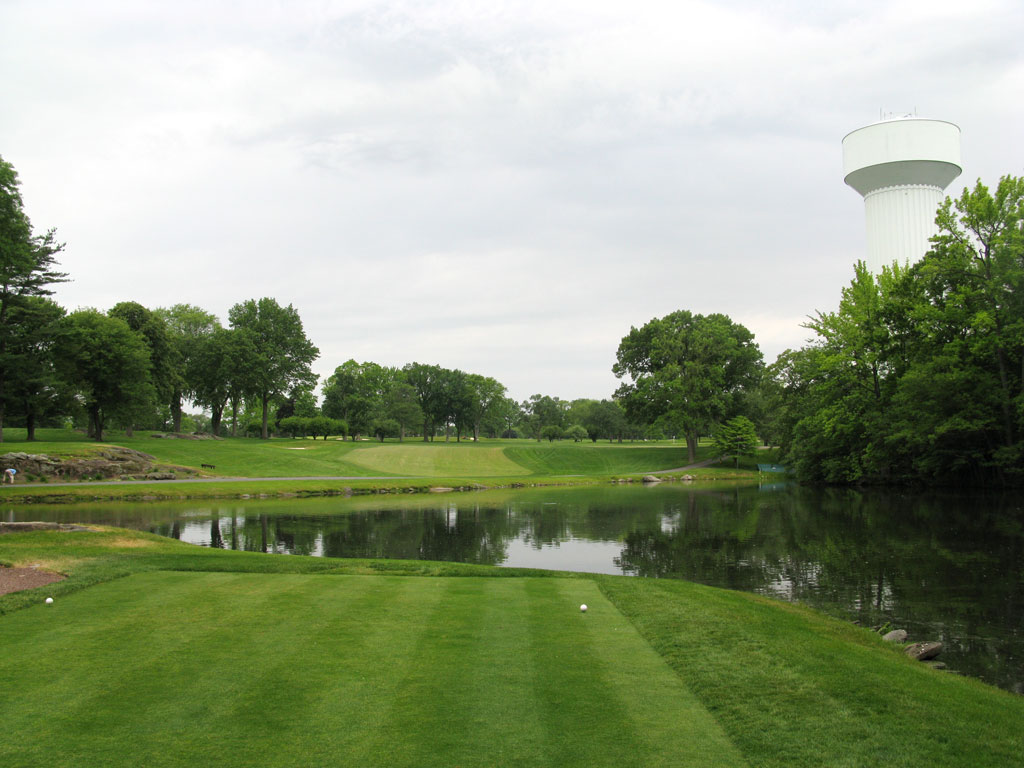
(223, 668)
(682, 734)
(795, 688)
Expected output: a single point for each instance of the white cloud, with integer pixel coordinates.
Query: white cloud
(505, 187)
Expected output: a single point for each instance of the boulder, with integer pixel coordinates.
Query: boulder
(109, 462)
(651, 479)
(160, 476)
(924, 651)
(896, 636)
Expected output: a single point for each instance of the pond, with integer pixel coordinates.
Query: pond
(943, 566)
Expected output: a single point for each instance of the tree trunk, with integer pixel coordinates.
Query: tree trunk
(176, 412)
(129, 431)
(216, 414)
(691, 447)
(234, 417)
(30, 427)
(264, 434)
(97, 422)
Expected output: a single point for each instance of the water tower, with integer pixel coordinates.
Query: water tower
(901, 167)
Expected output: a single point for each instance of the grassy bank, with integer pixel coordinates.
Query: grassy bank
(159, 653)
(410, 466)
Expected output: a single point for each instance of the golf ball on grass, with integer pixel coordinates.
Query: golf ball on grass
(49, 601)
(583, 608)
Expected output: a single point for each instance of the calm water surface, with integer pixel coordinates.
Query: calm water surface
(943, 566)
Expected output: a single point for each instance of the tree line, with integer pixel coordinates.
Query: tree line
(917, 375)
(134, 367)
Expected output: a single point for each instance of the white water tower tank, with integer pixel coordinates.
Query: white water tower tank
(901, 168)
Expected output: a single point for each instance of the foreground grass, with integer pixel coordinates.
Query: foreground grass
(233, 658)
(343, 670)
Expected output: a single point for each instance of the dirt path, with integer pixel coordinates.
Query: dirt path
(17, 579)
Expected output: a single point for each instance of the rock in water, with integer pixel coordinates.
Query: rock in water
(924, 651)
(896, 636)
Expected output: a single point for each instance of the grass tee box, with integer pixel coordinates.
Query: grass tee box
(278, 669)
(159, 653)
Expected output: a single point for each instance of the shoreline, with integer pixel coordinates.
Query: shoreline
(310, 487)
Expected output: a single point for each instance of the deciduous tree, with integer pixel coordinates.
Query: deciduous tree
(27, 267)
(686, 369)
(108, 362)
(283, 354)
(187, 327)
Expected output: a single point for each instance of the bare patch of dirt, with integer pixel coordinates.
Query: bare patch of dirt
(18, 579)
(129, 543)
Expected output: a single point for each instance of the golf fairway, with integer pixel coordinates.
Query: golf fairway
(166, 669)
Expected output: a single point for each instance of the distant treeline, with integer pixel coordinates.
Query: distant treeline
(916, 377)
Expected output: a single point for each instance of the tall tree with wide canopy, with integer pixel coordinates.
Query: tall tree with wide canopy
(27, 266)
(974, 275)
(686, 371)
(401, 406)
(164, 357)
(187, 326)
(282, 353)
(34, 391)
(218, 372)
(605, 419)
(108, 363)
(357, 394)
(483, 393)
(427, 381)
(544, 411)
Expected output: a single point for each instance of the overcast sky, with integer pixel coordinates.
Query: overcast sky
(503, 188)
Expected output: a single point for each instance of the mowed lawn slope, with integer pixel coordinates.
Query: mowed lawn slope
(596, 458)
(228, 669)
(282, 457)
(438, 460)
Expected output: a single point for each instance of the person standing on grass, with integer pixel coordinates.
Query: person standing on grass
(9, 474)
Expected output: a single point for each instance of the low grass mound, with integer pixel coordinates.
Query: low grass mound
(437, 460)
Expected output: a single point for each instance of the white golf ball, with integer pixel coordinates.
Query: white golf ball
(49, 600)
(583, 608)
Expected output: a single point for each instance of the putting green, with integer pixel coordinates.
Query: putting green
(436, 460)
(167, 669)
